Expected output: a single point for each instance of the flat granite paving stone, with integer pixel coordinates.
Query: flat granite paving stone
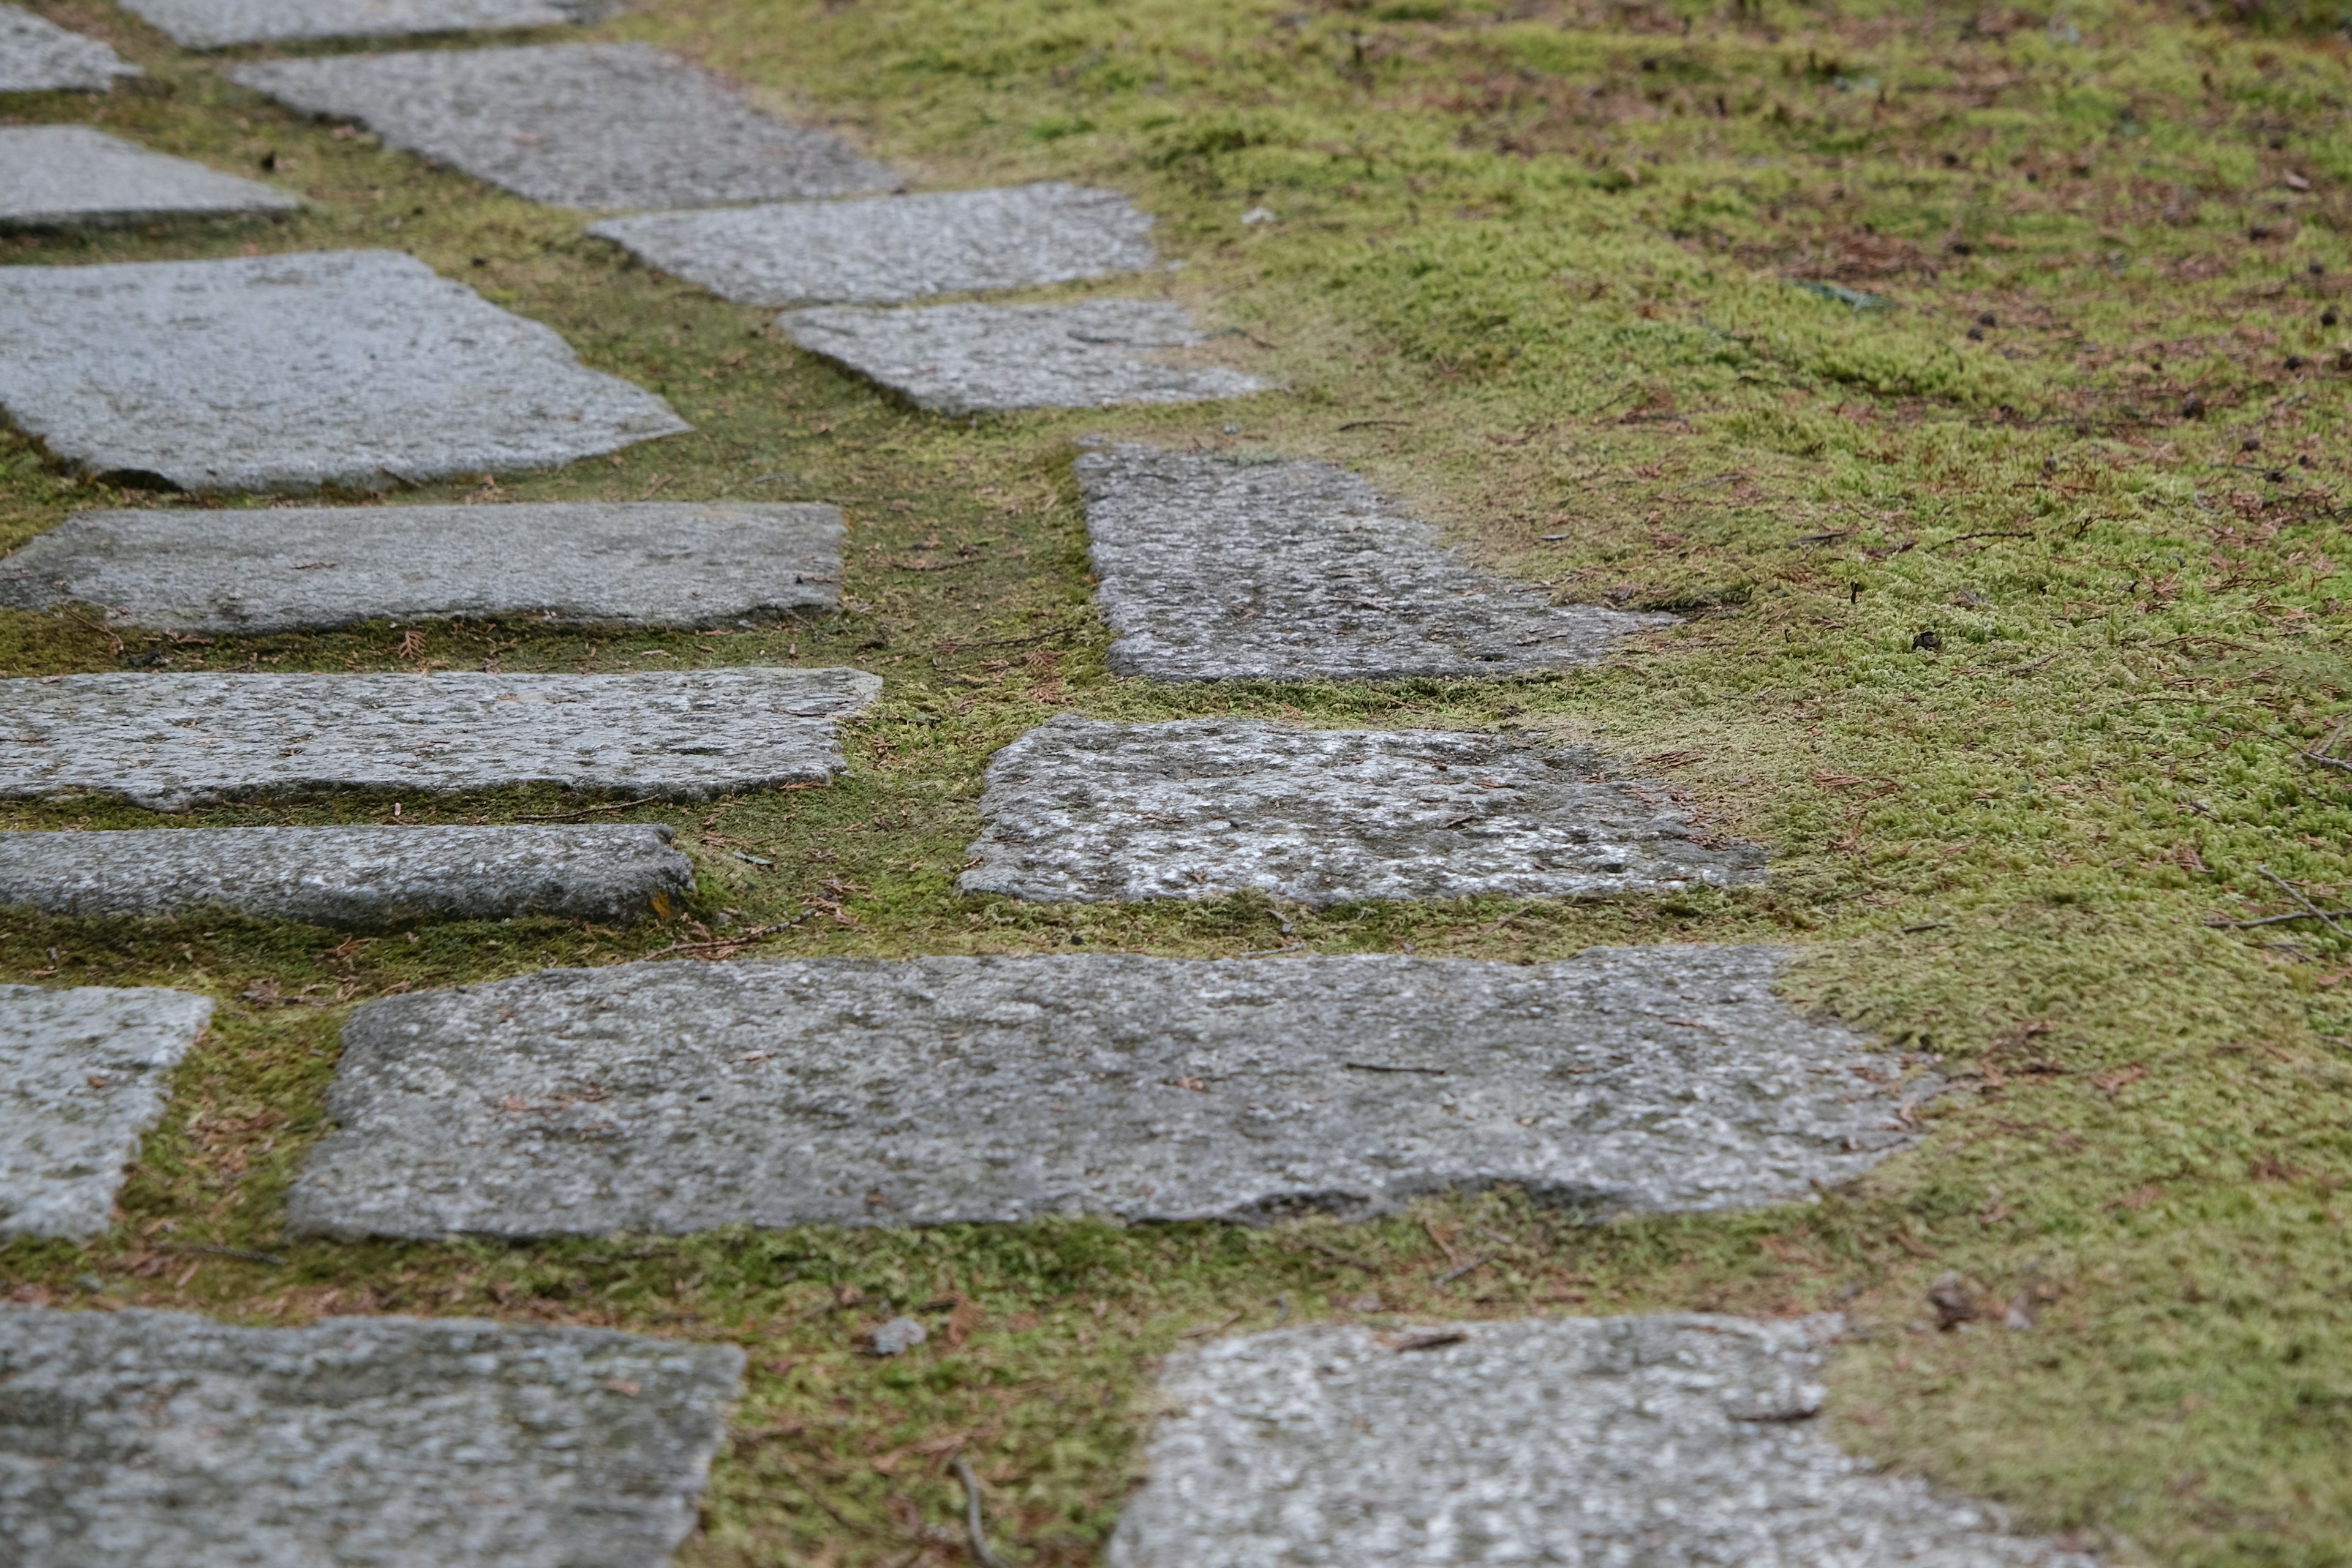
(650, 564)
(217, 24)
(354, 367)
(38, 56)
(352, 876)
(70, 176)
(147, 1439)
(888, 249)
(1676, 1441)
(172, 741)
(580, 125)
(82, 1075)
(1079, 810)
(679, 1097)
(967, 359)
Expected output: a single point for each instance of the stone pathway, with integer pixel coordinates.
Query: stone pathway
(218, 24)
(171, 741)
(679, 1097)
(293, 569)
(82, 1076)
(145, 1437)
(38, 56)
(1079, 809)
(580, 125)
(70, 176)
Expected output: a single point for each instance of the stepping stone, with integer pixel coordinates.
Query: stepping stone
(172, 741)
(680, 1097)
(140, 1437)
(967, 359)
(646, 564)
(1677, 1440)
(352, 876)
(70, 176)
(354, 367)
(217, 24)
(1216, 569)
(82, 1075)
(579, 125)
(38, 56)
(1080, 810)
(881, 251)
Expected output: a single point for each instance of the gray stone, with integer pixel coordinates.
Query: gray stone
(38, 56)
(1678, 1441)
(580, 125)
(144, 1439)
(899, 1336)
(291, 569)
(894, 248)
(172, 741)
(82, 1075)
(354, 367)
(963, 358)
(1216, 569)
(70, 176)
(1082, 810)
(679, 1097)
(217, 24)
(352, 876)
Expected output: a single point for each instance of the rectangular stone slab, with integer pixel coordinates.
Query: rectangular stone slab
(579, 125)
(172, 741)
(1211, 569)
(217, 24)
(154, 1437)
(1672, 1440)
(881, 251)
(293, 569)
(968, 359)
(70, 176)
(679, 1097)
(1078, 810)
(84, 1073)
(355, 367)
(364, 877)
(38, 56)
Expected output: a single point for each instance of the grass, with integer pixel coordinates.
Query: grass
(1975, 383)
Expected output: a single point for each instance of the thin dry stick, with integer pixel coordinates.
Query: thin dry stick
(973, 1528)
(590, 810)
(93, 625)
(2297, 894)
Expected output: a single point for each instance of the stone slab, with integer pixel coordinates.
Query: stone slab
(1216, 569)
(1078, 810)
(38, 56)
(580, 125)
(359, 368)
(364, 877)
(70, 176)
(83, 1075)
(893, 248)
(679, 1097)
(149, 1438)
(968, 359)
(218, 24)
(1670, 1442)
(172, 741)
(293, 569)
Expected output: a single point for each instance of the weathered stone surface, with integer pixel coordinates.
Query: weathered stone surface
(70, 176)
(580, 125)
(291, 569)
(217, 24)
(352, 876)
(677, 1097)
(149, 1438)
(1080, 810)
(1216, 569)
(894, 248)
(38, 56)
(1669, 1442)
(963, 358)
(171, 741)
(354, 367)
(82, 1075)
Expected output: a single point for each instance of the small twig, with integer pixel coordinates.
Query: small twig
(591, 810)
(1994, 533)
(2297, 894)
(1931, 925)
(1336, 1256)
(1383, 1067)
(1209, 1328)
(1451, 1275)
(1368, 424)
(974, 1531)
(2325, 762)
(93, 625)
(240, 1252)
(2272, 920)
(740, 939)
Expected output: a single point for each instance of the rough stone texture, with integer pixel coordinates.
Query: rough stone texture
(293, 569)
(677, 1097)
(352, 876)
(70, 176)
(896, 247)
(217, 24)
(580, 125)
(1667, 1442)
(172, 741)
(1082, 810)
(354, 367)
(1215, 569)
(963, 358)
(38, 56)
(144, 1439)
(82, 1075)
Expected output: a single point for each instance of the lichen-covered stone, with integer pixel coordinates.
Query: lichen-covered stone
(217, 24)
(70, 176)
(38, 56)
